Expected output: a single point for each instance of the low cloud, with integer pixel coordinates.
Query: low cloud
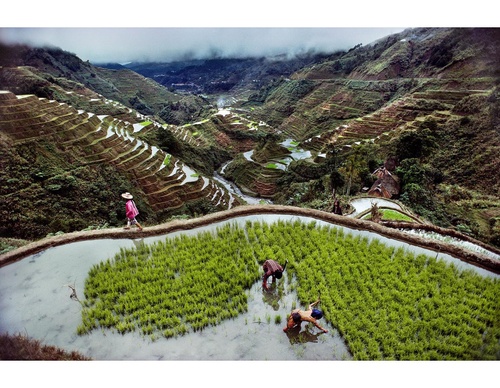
(121, 45)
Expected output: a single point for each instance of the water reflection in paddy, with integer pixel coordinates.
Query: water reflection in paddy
(34, 300)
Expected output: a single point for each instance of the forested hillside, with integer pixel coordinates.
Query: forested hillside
(422, 103)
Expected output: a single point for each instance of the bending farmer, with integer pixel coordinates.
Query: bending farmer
(311, 315)
(272, 268)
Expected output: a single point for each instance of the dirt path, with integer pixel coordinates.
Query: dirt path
(178, 225)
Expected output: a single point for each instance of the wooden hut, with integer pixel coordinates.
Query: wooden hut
(386, 185)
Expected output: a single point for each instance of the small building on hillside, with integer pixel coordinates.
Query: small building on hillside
(386, 185)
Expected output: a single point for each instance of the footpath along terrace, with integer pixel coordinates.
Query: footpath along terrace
(46, 290)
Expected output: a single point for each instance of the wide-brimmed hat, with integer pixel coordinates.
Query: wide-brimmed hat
(127, 195)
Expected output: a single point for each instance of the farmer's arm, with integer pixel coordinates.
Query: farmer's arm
(319, 327)
(313, 304)
(315, 323)
(267, 273)
(264, 280)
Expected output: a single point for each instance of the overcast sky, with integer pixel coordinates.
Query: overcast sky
(147, 30)
(152, 44)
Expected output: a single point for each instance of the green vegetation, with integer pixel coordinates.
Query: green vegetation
(390, 304)
(8, 244)
(394, 215)
(160, 288)
(391, 215)
(442, 130)
(387, 303)
(45, 192)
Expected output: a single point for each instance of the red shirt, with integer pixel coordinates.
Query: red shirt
(270, 267)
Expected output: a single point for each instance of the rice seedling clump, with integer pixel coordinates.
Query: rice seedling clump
(173, 286)
(387, 303)
(390, 304)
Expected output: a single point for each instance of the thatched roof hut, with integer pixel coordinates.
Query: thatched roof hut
(386, 185)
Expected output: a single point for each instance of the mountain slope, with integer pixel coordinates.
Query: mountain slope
(64, 169)
(50, 68)
(221, 76)
(423, 102)
(427, 98)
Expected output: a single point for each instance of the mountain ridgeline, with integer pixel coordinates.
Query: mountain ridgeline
(422, 105)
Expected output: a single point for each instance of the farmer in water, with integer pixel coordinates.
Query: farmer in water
(274, 269)
(131, 211)
(310, 315)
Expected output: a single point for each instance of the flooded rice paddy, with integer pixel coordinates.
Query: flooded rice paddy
(35, 300)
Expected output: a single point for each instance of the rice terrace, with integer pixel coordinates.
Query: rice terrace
(368, 171)
(381, 301)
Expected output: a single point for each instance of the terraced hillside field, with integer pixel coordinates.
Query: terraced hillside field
(60, 141)
(438, 105)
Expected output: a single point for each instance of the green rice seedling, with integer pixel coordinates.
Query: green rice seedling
(367, 289)
(277, 319)
(404, 279)
(168, 333)
(122, 327)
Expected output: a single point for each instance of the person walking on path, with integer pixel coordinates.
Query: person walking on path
(336, 207)
(274, 269)
(131, 211)
(310, 315)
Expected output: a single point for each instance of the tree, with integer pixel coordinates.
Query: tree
(168, 142)
(410, 171)
(356, 165)
(415, 144)
(336, 180)
(352, 164)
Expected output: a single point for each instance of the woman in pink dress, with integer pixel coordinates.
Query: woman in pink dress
(131, 211)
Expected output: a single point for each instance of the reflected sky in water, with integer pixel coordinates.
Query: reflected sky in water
(35, 300)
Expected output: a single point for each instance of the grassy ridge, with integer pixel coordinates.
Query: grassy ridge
(387, 303)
